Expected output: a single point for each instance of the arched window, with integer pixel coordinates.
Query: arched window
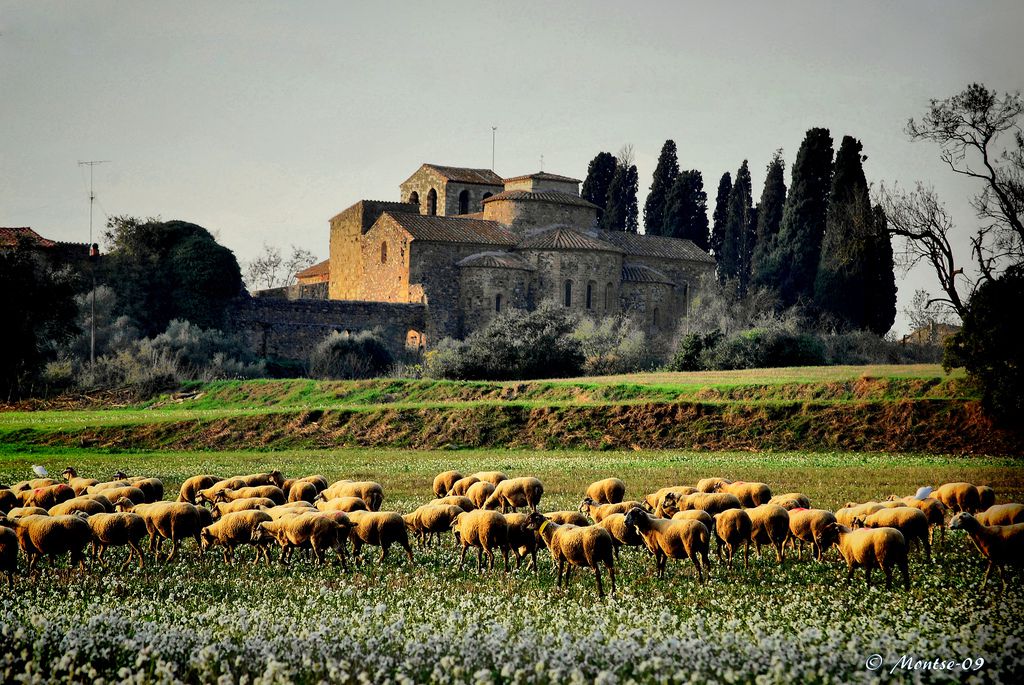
(464, 202)
(497, 302)
(590, 296)
(655, 317)
(432, 202)
(686, 299)
(414, 198)
(608, 297)
(568, 293)
(383, 253)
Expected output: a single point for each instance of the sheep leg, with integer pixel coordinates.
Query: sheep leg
(746, 555)
(611, 572)
(479, 559)
(319, 556)
(408, 549)
(174, 548)
(134, 548)
(227, 558)
(988, 570)
(780, 552)
(505, 550)
(462, 560)
(867, 574)
(695, 558)
(927, 549)
(561, 567)
(384, 548)
(597, 576)
(905, 572)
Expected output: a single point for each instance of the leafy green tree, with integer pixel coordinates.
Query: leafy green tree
(599, 178)
(661, 185)
(803, 220)
(170, 270)
(740, 225)
(39, 317)
(769, 218)
(686, 210)
(621, 211)
(720, 215)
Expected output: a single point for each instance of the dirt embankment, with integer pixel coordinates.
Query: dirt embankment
(940, 426)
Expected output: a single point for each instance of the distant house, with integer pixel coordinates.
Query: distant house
(933, 333)
(318, 273)
(11, 236)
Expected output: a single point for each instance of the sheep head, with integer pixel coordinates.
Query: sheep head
(586, 504)
(828, 536)
(637, 519)
(858, 522)
(221, 496)
(206, 539)
(261, 535)
(120, 475)
(124, 504)
(534, 520)
(68, 473)
(277, 477)
(964, 521)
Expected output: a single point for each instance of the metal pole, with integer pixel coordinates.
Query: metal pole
(92, 317)
(493, 130)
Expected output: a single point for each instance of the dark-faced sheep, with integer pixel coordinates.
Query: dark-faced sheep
(379, 528)
(484, 529)
(1002, 515)
(512, 493)
(770, 526)
(443, 482)
(479, 492)
(53, 536)
(959, 497)
(806, 526)
(522, 540)
(672, 539)
(599, 511)
(174, 521)
(244, 504)
(1001, 545)
(749, 494)
(191, 487)
(607, 491)
(319, 532)
(233, 529)
(118, 530)
(431, 520)
(271, 492)
(588, 547)
(732, 529)
(79, 485)
(462, 485)
(911, 522)
(867, 548)
(8, 553)
(656, 500)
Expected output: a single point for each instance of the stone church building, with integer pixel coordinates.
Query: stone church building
(467, 244)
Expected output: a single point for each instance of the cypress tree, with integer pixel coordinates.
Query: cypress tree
(719, 216)
(769, 218)
(599, 178)
(686, 209)
(847, 268)
(881, 289)
(664, 176)
(621, 211)
(738, 244)
(795, 264)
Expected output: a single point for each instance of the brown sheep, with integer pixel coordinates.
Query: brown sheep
(711, 484)
(77, 484)
(53, 536)
(485, 530)
(461, 501)
(655, 500)
(1001, 545)
(522, 540)
(600, 511)
(22, 512)
(492, 477)
(233, 529)
(1002, 515)
(607, 491)
(696, 515)
(8, 500)
(33, 484)
(479, 492)
(271, 492)
(986, 497)
(317, 481)
(174, 521)
(317, 531)
(806, 526)
(379, 528)
(792, 500)
(117, 530)
(588, 547)
(191, 487)
(209, 494)
(574, 518)
(852, 510)
(770, 526)
(369, 491)
(342, 504)
(129, 492)
(152, 488)
(711, 502)
(8, 553)
(85, 505)
(733, 528)
(516, 492)
(287, 510)
(47, 496)
(461, 486)
(108, 485)
(667, 538)
(749, 494)
(867, 548)
(933, 509)
(622, 535)
(444, 481)
(959, 497)
(911, 522)
(243, 504)
(275, 477)
(431, 520)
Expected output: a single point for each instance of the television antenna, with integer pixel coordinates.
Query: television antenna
(92, 317)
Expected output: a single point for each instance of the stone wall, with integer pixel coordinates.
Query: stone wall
(347, 229)
(385, 262)
(652, 306)
(480, 287)
(447, 191)
(296, 291)
(434, 267)
(686, 275)
(597, 269)
(523, 215)
(289, 329)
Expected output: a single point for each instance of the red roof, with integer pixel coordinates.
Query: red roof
(484, 177)
(552, 196)
(544, 176)
(453, 229)
(9, 237)
(563, 238)
(321, 269)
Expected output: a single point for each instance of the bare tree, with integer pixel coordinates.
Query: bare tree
(271, 270)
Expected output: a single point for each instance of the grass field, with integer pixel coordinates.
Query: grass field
(197, 620)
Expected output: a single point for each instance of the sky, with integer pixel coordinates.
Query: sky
(260, 121)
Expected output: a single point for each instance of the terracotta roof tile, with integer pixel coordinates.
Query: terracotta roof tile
(453, 229)
(497, 260)
(542, 196)
(545, 176)
(9, 237)
(655, 246)
(465, 175)
(320, 269)
(641, 273)
(563, 238)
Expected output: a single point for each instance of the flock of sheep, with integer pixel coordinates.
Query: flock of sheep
(47, 518)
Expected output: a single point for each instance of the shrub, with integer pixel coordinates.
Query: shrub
(343, 356)
(515, 344)
(864, 347)
(613, 344)
(765, 348)
(690, 351)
